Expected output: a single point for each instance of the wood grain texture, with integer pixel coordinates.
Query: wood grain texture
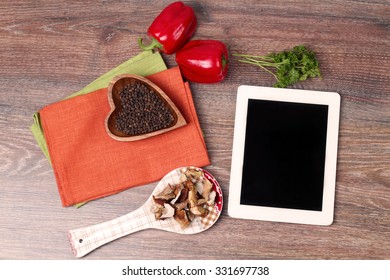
(50, 49)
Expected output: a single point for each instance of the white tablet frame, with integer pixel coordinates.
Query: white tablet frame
(237, 210)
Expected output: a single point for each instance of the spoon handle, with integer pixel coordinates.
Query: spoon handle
(86, 239)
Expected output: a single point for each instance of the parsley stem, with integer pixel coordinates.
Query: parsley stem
(257, 64)
(254, 56)
(263, 60)
(264, 63)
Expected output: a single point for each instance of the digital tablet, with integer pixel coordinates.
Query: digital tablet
(284, 155)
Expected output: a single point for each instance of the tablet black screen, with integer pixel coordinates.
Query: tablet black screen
(284, 156)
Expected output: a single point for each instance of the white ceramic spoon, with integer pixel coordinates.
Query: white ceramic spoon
(86, 239)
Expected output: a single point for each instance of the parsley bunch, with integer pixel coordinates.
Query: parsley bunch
(290, 66)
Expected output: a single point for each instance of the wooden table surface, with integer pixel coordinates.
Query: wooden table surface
(50, 49)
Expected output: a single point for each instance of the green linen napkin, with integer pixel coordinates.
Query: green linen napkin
(144, 64)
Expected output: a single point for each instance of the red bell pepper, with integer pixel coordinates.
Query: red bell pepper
(203, 61)
(171, 29)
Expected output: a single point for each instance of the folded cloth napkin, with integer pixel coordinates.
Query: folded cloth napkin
(143, 64)
(88, 164)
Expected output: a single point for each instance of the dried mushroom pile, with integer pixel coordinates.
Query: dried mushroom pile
(186, 200)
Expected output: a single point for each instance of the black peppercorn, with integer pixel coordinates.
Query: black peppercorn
(142, 111)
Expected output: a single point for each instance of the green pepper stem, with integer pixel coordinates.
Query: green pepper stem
(151, 46)
(224, 62)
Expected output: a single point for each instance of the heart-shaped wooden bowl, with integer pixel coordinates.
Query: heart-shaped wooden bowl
(116, 86)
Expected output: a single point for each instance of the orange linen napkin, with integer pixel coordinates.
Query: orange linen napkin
(88, 164)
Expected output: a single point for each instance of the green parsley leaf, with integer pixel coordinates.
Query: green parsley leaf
(288, 67)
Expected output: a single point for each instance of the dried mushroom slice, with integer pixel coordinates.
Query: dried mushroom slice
(162, 211)
(159, 201)
(181, 205)
(181, 217)
(212, 196)
(157, 209)
(183, 196)
(178, 188)
(167, 193)
(191, 216)
(192, 194)
(193, 174)
(201, 201)
(199, 211)
(207, 187)
(168, 211)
